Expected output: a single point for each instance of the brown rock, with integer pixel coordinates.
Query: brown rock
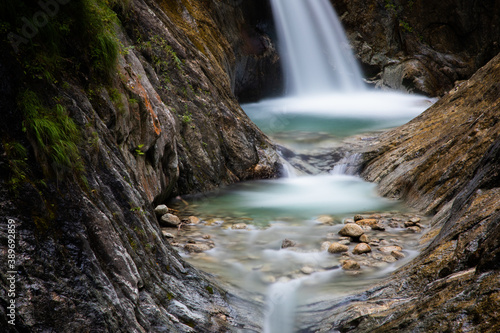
(337, 248)
(389, 249)
(362, 248)
(415, 229)
(191, 220)
(358, 217)
(350, 265)
(378, 227)
(398, 254)
(368, 222)
(351, 230)
(364, 238)
(287, 243)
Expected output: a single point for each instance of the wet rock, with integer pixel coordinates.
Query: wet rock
(415, 220)
(389, 259)
(161, 210)
(286, 243)
(358, 218)
(191, 220)
(362, 248)
(378, 227)
(206, 236)
(367, 222)
(345, 241)
(409, 224)
(394, 224)
(307, 270)
(350, 265)
(364, 238)
(338, 248)
(170, 220)
(239, 226)
(325, 246)
(398, 254)
(167, 234)
(196, 248)
(325, 219)
(351, 230)
(415, 229)
(348, 221)
(389, 249)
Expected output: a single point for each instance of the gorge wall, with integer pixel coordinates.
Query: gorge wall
(109, 108)
(421, 46)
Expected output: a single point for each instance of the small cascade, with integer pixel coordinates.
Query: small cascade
(348, 165)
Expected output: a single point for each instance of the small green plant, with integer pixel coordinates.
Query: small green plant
(186, 118)
(406, 26)
(138, 151)
(390, 6)
(17, 157)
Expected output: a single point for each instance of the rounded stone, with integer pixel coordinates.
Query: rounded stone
(415, 229)
(196, 248)
(362, 248)
(192, 220)
(287, 243)
(358, 217)
(351, 230)
(338, 248)
(170, 220)
(350, 265)
(398, 254)
(364, 238)
(239, 226)
(368, 222)
(161, 210)
(325, 219)
(325, 246)
(307, 270)
(389, 249)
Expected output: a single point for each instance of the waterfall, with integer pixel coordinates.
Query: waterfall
(316, 54)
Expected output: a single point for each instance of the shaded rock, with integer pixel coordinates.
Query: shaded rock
(287, 243)
(196, 248)
(362, 248)
(170, 220)
(377, 227)
(167, 234)
(358, 218)
(307, 270)
(337, 248)
(345, 241)
(351, 230)
(350, 265)
(161, 210)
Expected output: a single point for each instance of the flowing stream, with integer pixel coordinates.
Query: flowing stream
(271, 237)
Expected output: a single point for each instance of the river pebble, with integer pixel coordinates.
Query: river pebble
(362, 248)
(351, 230)
(169, 220)
(338, 248)
(349, 265)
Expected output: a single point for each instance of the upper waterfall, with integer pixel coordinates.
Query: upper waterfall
(316, 54)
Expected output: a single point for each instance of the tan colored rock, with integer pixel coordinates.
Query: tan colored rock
(351, 230)
(364, 238)
(362, 248)
(192, 220)
(389, 249)
(350, 265)
(378, 227)
(170, 220)
(415, 229)
(325, 219)
(338, 248)
(307, 270)
(398, 254)
(368, 222)
(325, 246)
(348, 221)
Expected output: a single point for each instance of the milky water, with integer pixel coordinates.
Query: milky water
(247, 224)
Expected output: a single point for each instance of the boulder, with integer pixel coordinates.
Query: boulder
(338, 248)
(351, 230)
(170, 220)
(362, 248)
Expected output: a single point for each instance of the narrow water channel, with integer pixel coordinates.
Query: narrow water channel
(277, 239)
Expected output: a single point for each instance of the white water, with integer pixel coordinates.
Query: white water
(316, 53)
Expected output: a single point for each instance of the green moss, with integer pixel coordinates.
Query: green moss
(54, 134)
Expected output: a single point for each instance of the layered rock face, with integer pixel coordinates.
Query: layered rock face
(445, 162)
(421, 46)
(90, 254)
